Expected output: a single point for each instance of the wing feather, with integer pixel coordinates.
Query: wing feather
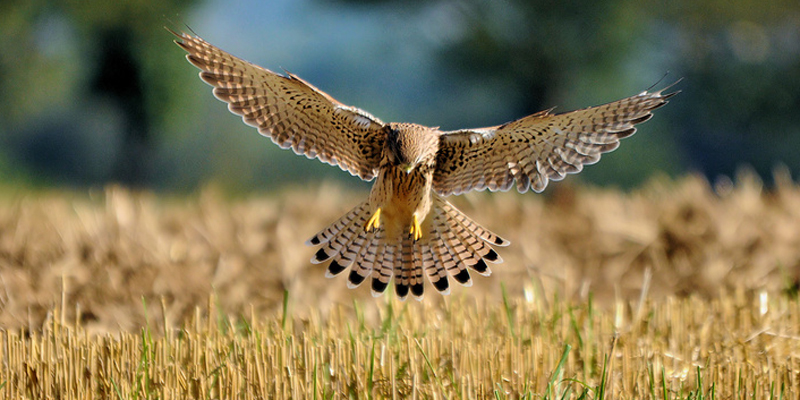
(289, 110)
(539, 148)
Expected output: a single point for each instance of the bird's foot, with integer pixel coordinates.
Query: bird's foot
(374, 221)
(416, 230)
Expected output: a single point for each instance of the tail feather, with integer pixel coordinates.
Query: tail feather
(331, 230)
(478, 246)
(453, 245)
(405, 274)
(449, 258)
(474, 242)
(435, 268)
(459, 253)
(352, 252)
(383, 267)
(475, 249)
(340, 240)
(365, 261)
(471, 225)
(417, 281)
(459, 249)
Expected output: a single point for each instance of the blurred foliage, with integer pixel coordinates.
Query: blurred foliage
(740, 61)
(92, 92)
(83, 89)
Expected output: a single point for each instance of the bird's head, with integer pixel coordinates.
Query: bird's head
(411, 145)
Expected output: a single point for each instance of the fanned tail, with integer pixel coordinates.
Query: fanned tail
(451, 246)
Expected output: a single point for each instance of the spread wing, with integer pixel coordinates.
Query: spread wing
(540, 147)
(290, 111)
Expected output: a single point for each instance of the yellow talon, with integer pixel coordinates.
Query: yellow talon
(416, 230)
(374, 221)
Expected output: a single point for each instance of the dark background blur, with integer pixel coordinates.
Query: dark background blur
(93, 92)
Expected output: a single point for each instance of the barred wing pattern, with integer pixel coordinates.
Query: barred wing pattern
(538, 148)
(290, 111)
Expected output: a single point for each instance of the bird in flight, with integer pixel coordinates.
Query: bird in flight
(406, 229)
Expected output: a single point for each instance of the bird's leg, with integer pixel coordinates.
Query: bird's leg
(374, 221)
(416, 230)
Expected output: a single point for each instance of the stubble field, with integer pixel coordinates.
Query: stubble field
(679, 289)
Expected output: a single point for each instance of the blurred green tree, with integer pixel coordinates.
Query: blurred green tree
(80, 87)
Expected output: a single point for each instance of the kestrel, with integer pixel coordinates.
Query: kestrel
(406, 229)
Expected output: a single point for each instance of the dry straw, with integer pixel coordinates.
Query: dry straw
(678, 290)
(731, 347)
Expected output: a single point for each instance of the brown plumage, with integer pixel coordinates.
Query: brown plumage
(406, 230)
